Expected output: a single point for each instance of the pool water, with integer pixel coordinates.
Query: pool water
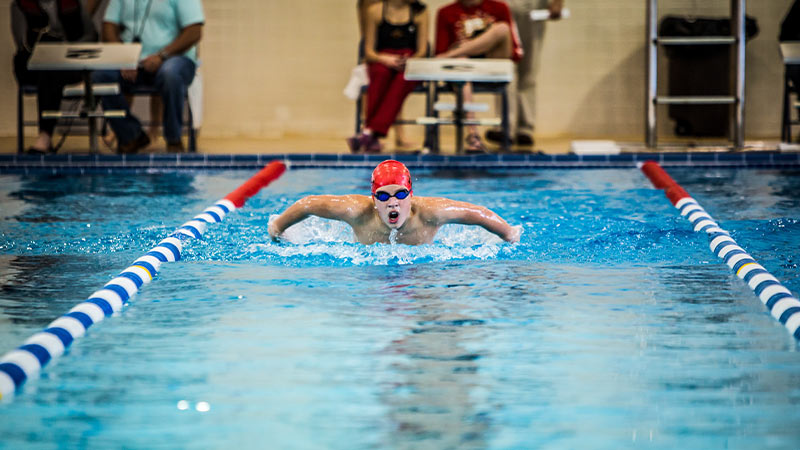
(610, 325)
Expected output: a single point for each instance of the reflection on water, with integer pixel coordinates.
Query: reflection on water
(432, 396)
(44, 189)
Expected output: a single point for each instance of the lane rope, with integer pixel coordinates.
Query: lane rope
(28, 359)
(780, 302)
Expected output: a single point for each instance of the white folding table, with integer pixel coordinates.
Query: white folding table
(85, 57)
(459, 71)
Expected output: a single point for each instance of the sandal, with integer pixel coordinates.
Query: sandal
(475, 144)
(358, 142)
(364, 143)
(373, 146)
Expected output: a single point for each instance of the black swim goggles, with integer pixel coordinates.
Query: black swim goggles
(384, 196)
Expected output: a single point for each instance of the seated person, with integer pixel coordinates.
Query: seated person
(393, 210)
(34, 21)
(395, 30)
(400, 140)
(168, 32)
(476, 29)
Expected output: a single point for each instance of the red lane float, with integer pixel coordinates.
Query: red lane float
(251, 187)
(661, 180)
(777, 298)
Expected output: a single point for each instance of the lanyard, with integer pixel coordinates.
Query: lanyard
(137, 35)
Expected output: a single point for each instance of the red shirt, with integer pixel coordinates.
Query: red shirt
(456, 22)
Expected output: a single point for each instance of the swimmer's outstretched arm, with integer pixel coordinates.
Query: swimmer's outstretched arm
(336, 207)
(451, 211)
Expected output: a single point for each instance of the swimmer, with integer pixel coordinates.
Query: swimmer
(393, 210)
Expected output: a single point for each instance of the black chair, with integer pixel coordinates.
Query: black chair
(27, 89)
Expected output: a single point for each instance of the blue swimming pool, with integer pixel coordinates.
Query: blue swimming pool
(610, 325)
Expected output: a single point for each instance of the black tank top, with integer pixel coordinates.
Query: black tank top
(397, 37)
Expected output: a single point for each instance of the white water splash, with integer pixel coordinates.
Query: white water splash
(318, 238)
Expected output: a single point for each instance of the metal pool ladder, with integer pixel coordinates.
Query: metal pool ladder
(737, 99)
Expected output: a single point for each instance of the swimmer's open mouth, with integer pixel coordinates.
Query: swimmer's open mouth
(393, 215)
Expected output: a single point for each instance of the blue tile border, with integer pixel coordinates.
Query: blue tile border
(83, 163)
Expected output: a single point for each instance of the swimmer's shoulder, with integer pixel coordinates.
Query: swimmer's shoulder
(348, 206)
(442, 210)
(357, 206)
(429, 208)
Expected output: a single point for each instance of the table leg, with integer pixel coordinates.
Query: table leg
(458, 118)
(89, 104)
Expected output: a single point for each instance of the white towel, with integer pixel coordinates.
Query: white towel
(358, 79)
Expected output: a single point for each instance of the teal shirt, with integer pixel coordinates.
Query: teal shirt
(160, 26)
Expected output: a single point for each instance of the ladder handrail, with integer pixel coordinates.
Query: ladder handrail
(737, 38)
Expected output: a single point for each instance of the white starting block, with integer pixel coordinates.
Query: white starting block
(459, 71)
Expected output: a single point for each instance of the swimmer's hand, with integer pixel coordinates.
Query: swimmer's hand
(514, 234)
(273, 231)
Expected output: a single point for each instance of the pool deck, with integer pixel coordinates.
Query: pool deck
(336, 144)
(242, 153)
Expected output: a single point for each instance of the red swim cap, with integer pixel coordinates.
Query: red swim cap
(391, 172)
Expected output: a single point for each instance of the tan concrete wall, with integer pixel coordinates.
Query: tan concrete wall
(276, 68)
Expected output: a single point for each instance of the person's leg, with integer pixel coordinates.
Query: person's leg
(380, 77)
(172, 79)
(473, 139)
(520, 12)
(48, 98)
(107, 134)
(503, 42)
(127, 129)
(386, 113)
(532, 38)
(50, 89)
(495, 42)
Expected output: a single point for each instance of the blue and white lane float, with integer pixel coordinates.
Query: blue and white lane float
(27, 360)
(780, 302)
